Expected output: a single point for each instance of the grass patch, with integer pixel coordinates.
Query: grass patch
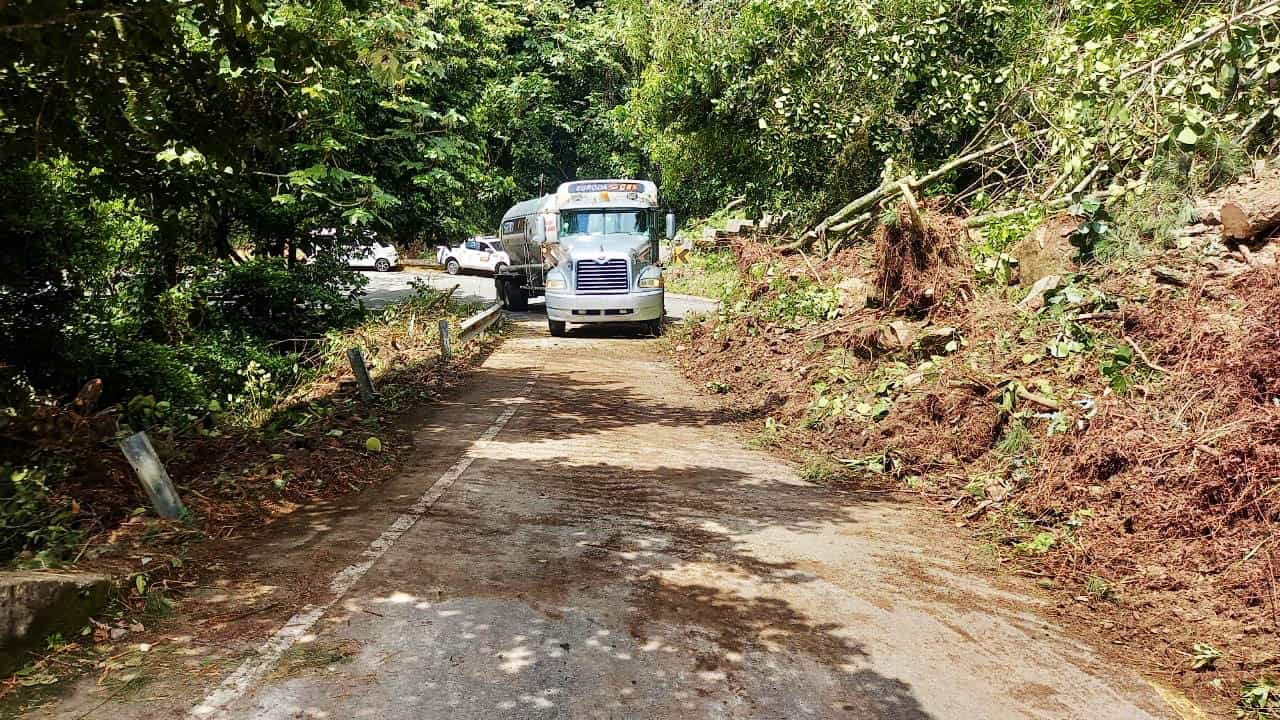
(706, 274)
(822, 469)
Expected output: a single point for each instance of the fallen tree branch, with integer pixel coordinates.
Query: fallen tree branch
(1198, 40)
(892, 188)
(850, 224)
(980, 220)
(916, 220)
(1036, 398)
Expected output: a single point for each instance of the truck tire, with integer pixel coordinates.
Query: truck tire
(452, 266)
(517, 298)
(500, 289)
(556, 327)
(653, 327)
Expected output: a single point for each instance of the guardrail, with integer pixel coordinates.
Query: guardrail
(479, 322)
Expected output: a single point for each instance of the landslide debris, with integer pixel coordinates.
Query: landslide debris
(1110, 426)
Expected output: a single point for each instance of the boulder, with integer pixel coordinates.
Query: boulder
(1046, 251)
(34, 605)
(854, 293)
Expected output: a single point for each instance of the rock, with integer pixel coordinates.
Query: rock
(934, 340)
(996, 492)
(1035, 298)
(1046, 251)
(854, 293)
(34, 605)
(894, 336)
(1170, 276)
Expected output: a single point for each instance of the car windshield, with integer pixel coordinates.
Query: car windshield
(604, 222)
(497, 246)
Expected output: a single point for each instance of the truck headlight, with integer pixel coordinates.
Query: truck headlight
(650, 279)
(556, 281)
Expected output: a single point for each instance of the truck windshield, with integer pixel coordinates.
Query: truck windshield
(604, 222)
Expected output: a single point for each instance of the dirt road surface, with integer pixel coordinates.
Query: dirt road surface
(581, 537)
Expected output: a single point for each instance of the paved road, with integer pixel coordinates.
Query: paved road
(393, 286)
(580, 537)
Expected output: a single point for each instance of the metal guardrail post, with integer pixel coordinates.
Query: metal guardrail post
(155, 479)
(446, 350)
(361, 372)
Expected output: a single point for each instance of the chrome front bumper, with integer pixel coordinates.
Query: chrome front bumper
(631, 307)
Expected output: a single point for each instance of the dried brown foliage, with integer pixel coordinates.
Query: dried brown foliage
(1185, 478)
(918, 270)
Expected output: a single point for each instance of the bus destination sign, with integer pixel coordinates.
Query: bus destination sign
(594, 187)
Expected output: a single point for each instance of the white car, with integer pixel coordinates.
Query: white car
(372, 252)
(477, 253)
(358, 248)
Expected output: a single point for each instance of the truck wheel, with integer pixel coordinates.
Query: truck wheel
(517, 298)
(383, 265)
(452, 267)
(556, 327)
(500, 290)
(653, 327)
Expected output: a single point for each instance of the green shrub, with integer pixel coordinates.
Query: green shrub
(33, 520)
(273, 302)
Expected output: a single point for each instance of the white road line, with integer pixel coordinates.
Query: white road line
(239, 682)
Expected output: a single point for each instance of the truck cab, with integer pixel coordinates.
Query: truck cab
(591, 250)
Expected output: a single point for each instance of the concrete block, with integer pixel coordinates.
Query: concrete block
(33, 605)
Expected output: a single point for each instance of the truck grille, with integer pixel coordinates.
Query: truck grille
(610, 276)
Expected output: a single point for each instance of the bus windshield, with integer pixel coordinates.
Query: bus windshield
(604, 222)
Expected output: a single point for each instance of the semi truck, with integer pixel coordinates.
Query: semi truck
(590, 249)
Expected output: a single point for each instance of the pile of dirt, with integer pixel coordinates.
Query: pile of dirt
(937, 430)
(763, 370)
(1184, 479)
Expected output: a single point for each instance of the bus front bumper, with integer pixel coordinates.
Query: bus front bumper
(631, 307)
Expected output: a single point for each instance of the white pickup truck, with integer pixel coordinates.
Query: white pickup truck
(477, 253)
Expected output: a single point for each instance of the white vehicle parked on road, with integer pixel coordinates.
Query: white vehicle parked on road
(359, 248)
(477, 253)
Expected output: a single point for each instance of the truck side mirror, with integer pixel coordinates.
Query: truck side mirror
(671, 225)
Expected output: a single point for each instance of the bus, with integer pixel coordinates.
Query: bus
(591, 249)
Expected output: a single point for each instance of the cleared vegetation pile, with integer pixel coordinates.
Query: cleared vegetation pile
(1120, 434)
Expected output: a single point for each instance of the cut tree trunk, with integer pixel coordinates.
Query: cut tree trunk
(1251, 214)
